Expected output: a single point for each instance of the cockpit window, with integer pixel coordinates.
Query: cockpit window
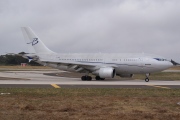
(160, 59)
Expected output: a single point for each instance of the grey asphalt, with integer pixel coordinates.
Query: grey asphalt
(37, 79)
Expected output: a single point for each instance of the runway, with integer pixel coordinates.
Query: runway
(41, 79)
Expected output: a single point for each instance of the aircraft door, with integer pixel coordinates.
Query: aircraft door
(141, 64)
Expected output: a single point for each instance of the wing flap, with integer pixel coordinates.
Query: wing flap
(69, 66)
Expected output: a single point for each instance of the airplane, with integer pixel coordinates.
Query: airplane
(102, 65)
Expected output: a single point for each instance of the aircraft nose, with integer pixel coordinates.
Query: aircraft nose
(170, 64)
(174, 63)
(167, 64)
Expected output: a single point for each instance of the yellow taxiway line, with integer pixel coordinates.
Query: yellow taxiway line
(159, 86)
(55, 86)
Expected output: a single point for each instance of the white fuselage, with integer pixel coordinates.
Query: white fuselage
(123, 63)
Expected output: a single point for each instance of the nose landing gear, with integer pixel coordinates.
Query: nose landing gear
(147, 79)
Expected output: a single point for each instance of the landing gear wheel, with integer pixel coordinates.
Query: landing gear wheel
(147, 79)
(83, 78)
(98, 78)
(86, 78)
(102, 79)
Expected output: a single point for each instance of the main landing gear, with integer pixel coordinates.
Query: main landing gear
(86, 78)
(89, 78)
(147, 79)
(99, 78)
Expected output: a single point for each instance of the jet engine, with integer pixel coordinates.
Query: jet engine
(107, 72)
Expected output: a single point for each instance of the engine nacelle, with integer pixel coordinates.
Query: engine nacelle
(126, 75)
(107, 72)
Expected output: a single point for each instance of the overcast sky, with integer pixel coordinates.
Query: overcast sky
(90, 26)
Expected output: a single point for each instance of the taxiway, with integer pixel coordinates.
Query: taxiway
(41, 79)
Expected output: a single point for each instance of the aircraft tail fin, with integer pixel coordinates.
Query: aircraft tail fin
(33, 41)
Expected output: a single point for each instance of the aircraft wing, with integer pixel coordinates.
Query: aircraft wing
(78, 66)
(82, 63)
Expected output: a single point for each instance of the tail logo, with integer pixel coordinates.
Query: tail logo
(34, 42)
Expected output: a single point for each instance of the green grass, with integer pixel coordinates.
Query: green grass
(18, 67)
(153, 76)
(85, 104)
(90, 92)
(160, 76)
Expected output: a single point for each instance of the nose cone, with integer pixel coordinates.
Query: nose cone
(174, 63)
(164, 65)
(169, 64)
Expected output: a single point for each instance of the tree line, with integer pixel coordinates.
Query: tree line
(15, 60)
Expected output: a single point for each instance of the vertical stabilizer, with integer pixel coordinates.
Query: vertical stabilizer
(33, 41)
